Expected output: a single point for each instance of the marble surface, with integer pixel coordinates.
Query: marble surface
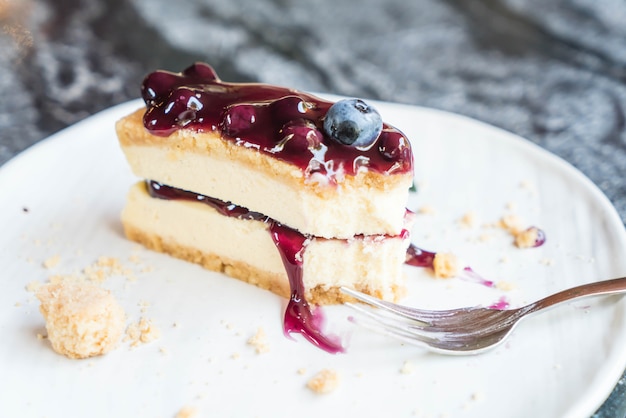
(552, 71)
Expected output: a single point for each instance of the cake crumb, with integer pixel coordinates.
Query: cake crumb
(103, 268)
(82, 320)
(511, 223)
(446, 265)
(226, 324)
(52, 262)
(407, 367)
(546, 261)
(485, 237)
(512, 206)
(33, 286)
(325, 381)
(65, 278)
(426, 210)
(301, 371)
(112, 262)
(469, 220)
(142, 331)
(186, 412)
(477, 396)
(505, 285)
(528, 185)
(259, 341)
(143, 306)
(527, 238)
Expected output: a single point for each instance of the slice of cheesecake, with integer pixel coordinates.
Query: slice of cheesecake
(269, 185)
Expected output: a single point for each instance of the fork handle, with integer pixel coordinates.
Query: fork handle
(605, 287)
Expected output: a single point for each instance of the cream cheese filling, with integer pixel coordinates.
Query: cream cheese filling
(371, 263)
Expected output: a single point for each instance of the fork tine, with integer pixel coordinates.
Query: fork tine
(439, 341)
(425, 316)
(405, 326)
(387, 326)
(414, 314)
(462, 322)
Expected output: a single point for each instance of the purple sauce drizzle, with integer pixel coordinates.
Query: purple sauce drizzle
(501, 304)
(418, 257)
(291, 244)
(541, 236)
(470, 275)
(162, 191)
(299, 317)
(284, 123)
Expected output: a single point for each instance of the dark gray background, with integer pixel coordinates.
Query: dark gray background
(552, 71)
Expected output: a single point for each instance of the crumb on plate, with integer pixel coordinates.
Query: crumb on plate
(324, 381)
(259, 341)
(505, 285)
(469, 220)
(446, 265)
(82, 320)
(426, 210)
(52, 262)
(142, 331)
(511, 223)
(407, 368)
(186, 412)
(527, 238)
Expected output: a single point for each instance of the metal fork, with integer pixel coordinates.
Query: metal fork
(462, 331)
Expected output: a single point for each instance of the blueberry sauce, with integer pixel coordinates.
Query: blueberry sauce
(502, 304)
(284, 123)
(418, 257)
(541, 236)
(291, 244)
(299, 317)
(470, 275)
(162, 191)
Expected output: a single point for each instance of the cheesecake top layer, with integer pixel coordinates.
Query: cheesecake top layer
(281, 122)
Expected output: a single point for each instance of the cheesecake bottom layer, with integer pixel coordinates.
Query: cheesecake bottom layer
(244, 249)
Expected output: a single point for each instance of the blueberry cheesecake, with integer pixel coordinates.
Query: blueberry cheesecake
(273, 186)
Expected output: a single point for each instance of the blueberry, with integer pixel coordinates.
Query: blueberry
(201, 71)
(302, 132)
(239, 119)
(353, 122)
(158, 85)
(289, 107)
(392, 146)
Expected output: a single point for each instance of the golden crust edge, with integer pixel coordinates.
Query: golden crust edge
(277, 284)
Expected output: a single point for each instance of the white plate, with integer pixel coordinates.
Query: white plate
(561, 363)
